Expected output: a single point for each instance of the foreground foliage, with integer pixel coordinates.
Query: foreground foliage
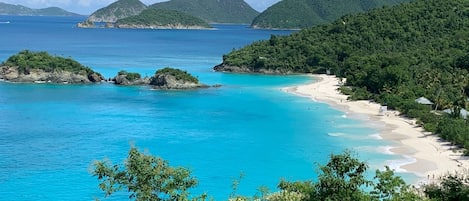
(391, 55)
(145, 177)
(343, 178)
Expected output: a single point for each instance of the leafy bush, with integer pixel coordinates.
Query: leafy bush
(130, 76)
(178, 74)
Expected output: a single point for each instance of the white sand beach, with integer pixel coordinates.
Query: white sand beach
(433, 156)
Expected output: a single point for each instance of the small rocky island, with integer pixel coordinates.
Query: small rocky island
(130, 78)
(170, 78)
(165, 79)
(40, 67)
(162, 19)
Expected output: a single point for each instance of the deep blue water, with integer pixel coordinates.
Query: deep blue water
(51, 134)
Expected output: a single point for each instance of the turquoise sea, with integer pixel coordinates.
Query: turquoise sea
(50, 134)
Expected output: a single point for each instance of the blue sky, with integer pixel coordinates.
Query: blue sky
(86, 7)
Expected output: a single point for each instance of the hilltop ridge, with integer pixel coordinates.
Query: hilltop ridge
(212, 11)
(117, 10)
(297, 14)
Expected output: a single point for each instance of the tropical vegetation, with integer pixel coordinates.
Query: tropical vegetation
(180, 75)
(295, 14)
(131, 76)
(157, 17)
(392, 55)
(146, 178)
(212, 11)
(27, 60)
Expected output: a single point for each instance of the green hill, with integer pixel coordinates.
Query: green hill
(295, 14)
(153, 18)
(117, 10)
(213, 11)
(9, 9)
(392, 55)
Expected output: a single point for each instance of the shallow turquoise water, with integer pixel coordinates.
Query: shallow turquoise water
(50, 134)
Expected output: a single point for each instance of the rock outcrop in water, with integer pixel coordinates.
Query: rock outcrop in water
(128, 79)
(40, 67)
(170, 78)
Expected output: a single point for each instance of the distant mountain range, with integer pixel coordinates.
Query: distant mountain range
(10, 9)
(296, 14)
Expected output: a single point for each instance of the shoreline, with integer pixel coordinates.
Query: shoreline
(431, 157)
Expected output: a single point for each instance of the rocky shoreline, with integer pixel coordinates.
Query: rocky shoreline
(38, 76)
(244, 69)
(12, 74)
(140, 26)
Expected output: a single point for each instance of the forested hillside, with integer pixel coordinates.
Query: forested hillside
(213, 11)
(392, 55)
(117, 10)
(295, 14)
(153, 18)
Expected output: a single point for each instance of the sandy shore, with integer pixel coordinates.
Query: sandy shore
(432, 157)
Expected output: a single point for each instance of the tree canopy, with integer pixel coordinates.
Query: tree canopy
(146, 177)
(295, 14)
